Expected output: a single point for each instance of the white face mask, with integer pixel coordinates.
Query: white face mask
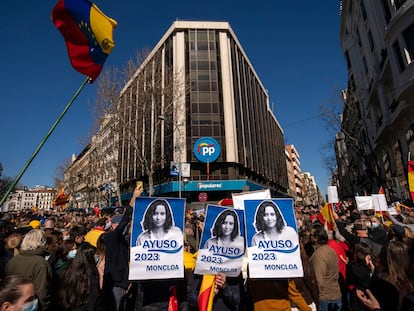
(71, 254)
(31, 305)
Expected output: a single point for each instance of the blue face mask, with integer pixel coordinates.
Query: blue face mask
(31, 305)
(71, 254)
(374, 225)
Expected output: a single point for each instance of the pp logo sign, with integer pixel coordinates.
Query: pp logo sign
(206, 149)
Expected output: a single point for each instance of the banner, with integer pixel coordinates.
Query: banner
(272, 239)
(333, 194)
(222, 242)
(238, 198)
(364, 203)
(379, 202)
(157, 239)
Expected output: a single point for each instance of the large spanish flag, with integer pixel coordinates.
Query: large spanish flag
(87, 32)
(206, 294)
(411, 178)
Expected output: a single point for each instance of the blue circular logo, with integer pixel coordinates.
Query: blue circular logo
(206, 149)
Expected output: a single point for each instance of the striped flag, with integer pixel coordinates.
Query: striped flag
(326, 216)
(411, 178)
(206, 294)
(87, 32)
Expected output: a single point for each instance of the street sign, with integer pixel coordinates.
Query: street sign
(202, 197)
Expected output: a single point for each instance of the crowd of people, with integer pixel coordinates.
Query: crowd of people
(80, 261)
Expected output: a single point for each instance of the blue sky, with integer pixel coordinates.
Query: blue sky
(293, 46)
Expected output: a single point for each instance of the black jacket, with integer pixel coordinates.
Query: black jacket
(117, 254)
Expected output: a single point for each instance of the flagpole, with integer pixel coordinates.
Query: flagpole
(16, 180)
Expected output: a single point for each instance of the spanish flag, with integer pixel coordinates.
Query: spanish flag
(411, 178)
(87, 32)
(326, 216)
(206, 294)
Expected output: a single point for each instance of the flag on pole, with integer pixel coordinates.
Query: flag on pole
(87, 32)
(206, 294)
(411, 178)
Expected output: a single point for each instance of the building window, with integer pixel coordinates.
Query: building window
(397, 51)
(408, 35)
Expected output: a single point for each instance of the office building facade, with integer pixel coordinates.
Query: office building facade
(196, 100)
(377, 135)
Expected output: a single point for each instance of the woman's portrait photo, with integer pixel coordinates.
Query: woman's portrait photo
(225, 231)
(158, 223)
(270, 224)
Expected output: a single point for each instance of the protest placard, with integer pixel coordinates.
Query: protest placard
(222, 242)
(157, 239)
(272, 239)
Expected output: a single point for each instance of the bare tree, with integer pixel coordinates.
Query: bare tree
(138, 100)
(331, 115)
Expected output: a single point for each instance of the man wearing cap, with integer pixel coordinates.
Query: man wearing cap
(359, 234)
(117, 256)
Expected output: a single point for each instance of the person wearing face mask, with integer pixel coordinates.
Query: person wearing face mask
(359, 234)
(377, 231)
(31, 263)
(79, 288)
(17, 293)
(60, 260)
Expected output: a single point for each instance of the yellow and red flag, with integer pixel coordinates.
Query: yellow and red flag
(411, 178)
(326, 216)
(206, 294)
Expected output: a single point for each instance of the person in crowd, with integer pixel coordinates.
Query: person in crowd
(54, 238)
(77, 233)
(13, 242)
(360, 234)
(190, 241)
(369, 300)
(99, 228)
(376, 230)
(227, 292)
(307, 285)
(61, 259)
(392, 283)
(79, 287)
(49, 224)
(325, 264)
(360, 270)
(17, 293)
(158, 223)
(226, 231)
(270, 224)
(117, 253)
(100, 259)
(275, 294)
(30, 262)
